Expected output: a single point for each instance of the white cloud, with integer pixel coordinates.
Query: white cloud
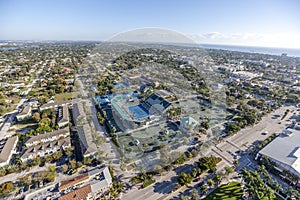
(252, 39)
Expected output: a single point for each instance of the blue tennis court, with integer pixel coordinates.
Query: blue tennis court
(138, 111)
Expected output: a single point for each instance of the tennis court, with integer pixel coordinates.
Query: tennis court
(138, 111)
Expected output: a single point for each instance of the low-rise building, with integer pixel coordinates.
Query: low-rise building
(100, 180)
(88, 147)
(285, 151)
(48, 137)
(83, 193)
(63, 116)
(93, 184)
(7, 148)
(187, 123)
(45, 149)
(55, 105)
(24, 114)
(82, 178)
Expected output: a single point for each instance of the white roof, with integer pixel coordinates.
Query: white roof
(105, 180)
(285, 149)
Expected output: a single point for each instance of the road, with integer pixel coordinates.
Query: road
(250, 136)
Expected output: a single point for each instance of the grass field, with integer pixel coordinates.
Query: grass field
(232, 191)
(65, 96)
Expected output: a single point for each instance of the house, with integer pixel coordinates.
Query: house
(7, 148)
(44, 149)
(48, 137)
(24, 114)
(287, 156)
(88, 147)
(63, 116)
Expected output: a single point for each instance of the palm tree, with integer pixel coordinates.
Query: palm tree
(218, 179)
(236, 162)
(228, 170)
(184, 179)
(277, 187)
(195, 194)
(210, 183)
(119, 186)
(262, 169)
(269, 193)
(196, 172)
(292, 192)
(184, 197)
(204, 188)
(269, 178)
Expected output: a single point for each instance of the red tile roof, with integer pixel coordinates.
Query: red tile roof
(77, 194)
(74, 181)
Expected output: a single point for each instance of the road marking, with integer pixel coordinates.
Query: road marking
(233, 145)
(221, 156)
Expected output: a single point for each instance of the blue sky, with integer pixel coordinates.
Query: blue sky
(240, 22)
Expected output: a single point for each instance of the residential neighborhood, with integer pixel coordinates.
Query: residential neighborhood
(147, 122)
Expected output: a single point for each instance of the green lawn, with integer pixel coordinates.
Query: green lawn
(232, 191)
(65, 96)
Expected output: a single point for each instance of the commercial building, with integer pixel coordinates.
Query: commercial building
(285, 151)
(89, 185)
(80, 179)
(83, 193)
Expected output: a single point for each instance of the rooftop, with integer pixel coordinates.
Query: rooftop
(56, 144)
(63, 114)
(103, 180)
(25, 110)
(78, 194)
(6, 147)
(86, 140)
(48, 135)
(71, 182)
(285, 149)
(78, 110)
(51, 105)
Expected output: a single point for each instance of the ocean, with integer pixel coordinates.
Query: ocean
(250, 49)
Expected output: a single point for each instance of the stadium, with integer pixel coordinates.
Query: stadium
(130, 112)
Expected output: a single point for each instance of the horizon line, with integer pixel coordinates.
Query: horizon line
(147, 42)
